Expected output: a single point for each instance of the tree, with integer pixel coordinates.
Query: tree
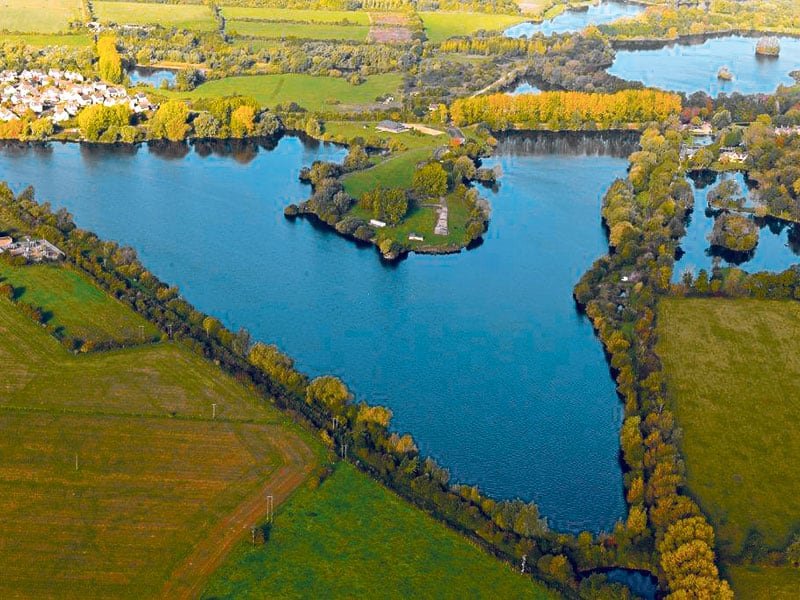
(96, 120)
(206, 126)
(170, 121)
(463, 169)
(110, 62)
(211, 326)
(243, 121)
(430, 181)
(330, 392)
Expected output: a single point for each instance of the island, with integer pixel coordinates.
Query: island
(736, 233)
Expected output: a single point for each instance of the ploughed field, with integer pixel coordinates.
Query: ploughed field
(161, 490)
(733, 376)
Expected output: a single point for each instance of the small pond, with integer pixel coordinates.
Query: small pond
(152, 77)
(778, 245)
(694, 67)
(577, 19)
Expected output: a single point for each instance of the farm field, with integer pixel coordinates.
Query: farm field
(742, 449)
(440, 26)
(40, 40)
(183, 16)
(311, 31)
(38, 16)
(310, 92)
(158, 480)
(295, 14)
(76, 305)
(765, 583)
(340, 540)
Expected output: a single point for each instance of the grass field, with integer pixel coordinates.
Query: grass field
(442, 25)
(183, 16)
(352, 538)
(395, 171)
(158, 481)
(765, 583)
(310, 31)
(40, 40)
(38, 16)
(295, 14)
(72, 303)
(313, 93)
(733, 375)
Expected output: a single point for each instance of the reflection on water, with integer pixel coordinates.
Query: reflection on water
(577, 19)
(693, 67)
(152, 77)
(778, 244)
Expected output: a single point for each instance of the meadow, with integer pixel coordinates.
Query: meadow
(440, 26)
(40, 40)
(295, 14)
(115, 478)
(39, 16)
(76, 306)
(309, 31)
(310, 92)
(183, 16)
(353, 538)
(752, 582)
(733, 376)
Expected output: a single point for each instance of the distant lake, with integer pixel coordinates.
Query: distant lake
(778, 243)
(152, 77)
(482, 356)
(691, 68)
(577, 20)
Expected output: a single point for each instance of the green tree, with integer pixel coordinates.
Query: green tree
(430, 181)
(94, 121)
(170, 121)
(330, 392)
(110, 62)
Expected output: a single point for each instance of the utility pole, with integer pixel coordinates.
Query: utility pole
(76, 461)
(213, 411)
(141, 332)
(335, 422)
(524, 558)
(270, 508)
(253, 533)
(344, 451)
(169, 328)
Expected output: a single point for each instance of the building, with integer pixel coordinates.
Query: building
(391, 127)
(5, 241)
(33, 250)
(457, 136)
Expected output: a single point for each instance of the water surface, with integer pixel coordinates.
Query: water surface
(577, 20)
(694, 67)
(778, 242)
(481, 355)
(152, 77)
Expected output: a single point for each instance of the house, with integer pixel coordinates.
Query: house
(34, 250)
(732, 155)
(457, 136)
(391, 127)
(414, 237)
(376, 223)
(5, 241)
(702, 129)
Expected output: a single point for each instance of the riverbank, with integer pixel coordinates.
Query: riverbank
(651, 43)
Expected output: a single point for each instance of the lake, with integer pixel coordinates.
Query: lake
(152, 77)
(577, 20)
(778, 243)
(694, 67)
(482, 356)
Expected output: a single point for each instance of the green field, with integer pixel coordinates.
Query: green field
(295, 14)
(40, 40)
(733, 375)
(39, 16)
(442, 25)
(183, 16)
(313, 93)
(75, 305)
(765, 583)
(159, 484)
(310, 31)
(351, 538)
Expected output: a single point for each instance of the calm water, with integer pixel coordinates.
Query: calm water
(481, 355)
(778, 243)
(692, 68)
(576, 20)
(523, 87)
(152, 77)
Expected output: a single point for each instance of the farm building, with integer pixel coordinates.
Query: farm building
(34, 250)
(391, 127)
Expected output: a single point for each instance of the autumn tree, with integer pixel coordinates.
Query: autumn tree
(110, 63)
(430, 181)
(170, 121)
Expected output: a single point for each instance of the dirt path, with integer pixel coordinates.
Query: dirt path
(190, 577)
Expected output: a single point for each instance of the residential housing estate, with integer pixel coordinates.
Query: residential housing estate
(59, 95)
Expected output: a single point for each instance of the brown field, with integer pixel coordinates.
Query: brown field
(389, 28)
(161, 493)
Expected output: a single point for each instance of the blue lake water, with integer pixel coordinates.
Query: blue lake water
(152, 77)
(576, 20)
(482, 356)
(778, 243)
(524, 87)
(692, 68)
